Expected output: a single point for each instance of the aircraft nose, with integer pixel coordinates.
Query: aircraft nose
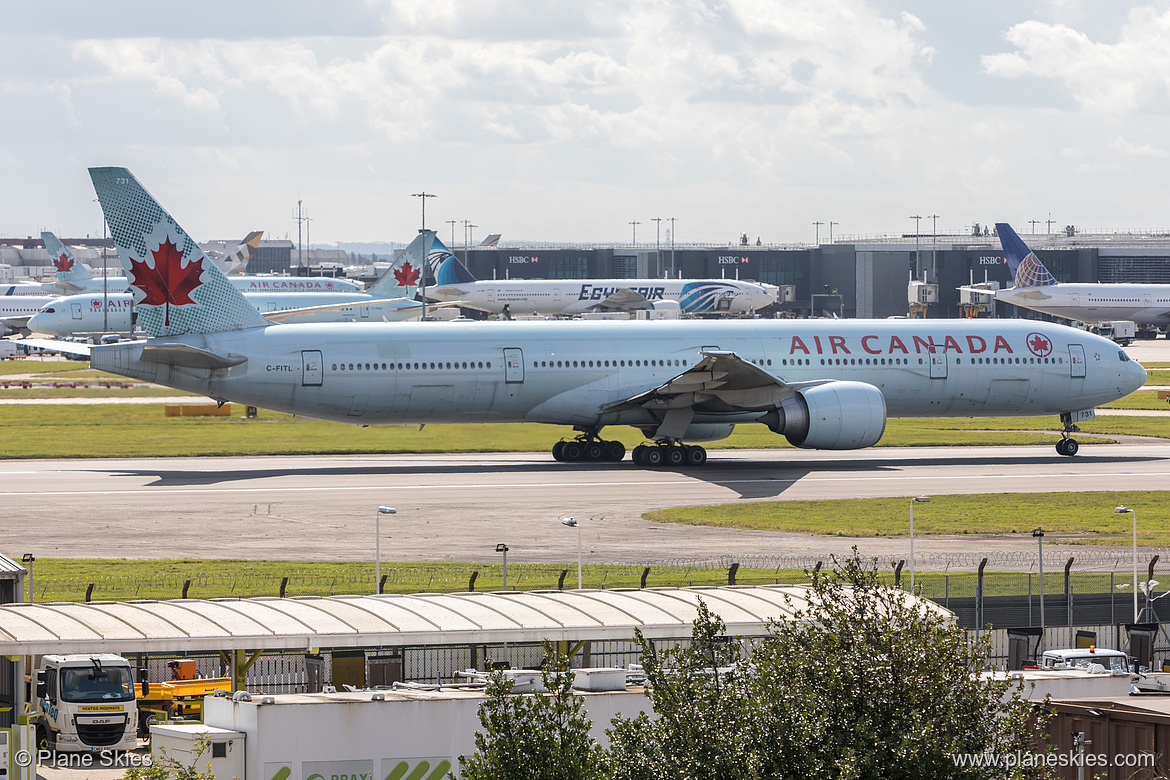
(1135, 375)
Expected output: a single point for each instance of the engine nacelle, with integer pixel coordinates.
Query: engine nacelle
(700, 432)
(833, 416)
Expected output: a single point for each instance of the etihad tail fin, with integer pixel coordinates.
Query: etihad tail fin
(177, 288)
(452, 272)
(1026, 268)
(402, 278)
(69, 269)
(236, 262)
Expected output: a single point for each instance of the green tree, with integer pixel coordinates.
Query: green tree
(534, 736)
(863, 682)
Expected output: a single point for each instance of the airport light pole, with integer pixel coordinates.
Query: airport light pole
(1121, 510)
(572, 523)
(657, 240)
(382, 510)
(634, 236)
(817, 233)
(452, 223)
(933, 247)
(672, 247)
(831, 230)
(1038, 534)
(917, 220)
(503, 548)
(913, 501)
(28, 559)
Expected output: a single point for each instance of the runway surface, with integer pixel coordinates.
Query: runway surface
(458, 507)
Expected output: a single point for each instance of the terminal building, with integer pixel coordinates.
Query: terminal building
(846, 278)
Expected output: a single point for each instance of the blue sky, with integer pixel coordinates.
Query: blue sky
(559, 120)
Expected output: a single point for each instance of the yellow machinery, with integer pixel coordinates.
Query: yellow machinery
(180, 698)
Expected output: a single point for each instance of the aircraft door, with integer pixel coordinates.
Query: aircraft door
(556, 295)
(513, 365)
(1076, 356)
(312, 370)
(76, 309)
(938, 363)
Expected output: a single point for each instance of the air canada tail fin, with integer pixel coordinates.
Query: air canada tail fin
(69, 268)
(451, 271)
(1026, 268)
(177, 288)
(402, 277)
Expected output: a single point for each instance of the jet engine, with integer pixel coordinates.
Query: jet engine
(833, 416)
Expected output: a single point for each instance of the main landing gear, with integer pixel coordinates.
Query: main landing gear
(588, 447)
(670, 454)
(1067, 445)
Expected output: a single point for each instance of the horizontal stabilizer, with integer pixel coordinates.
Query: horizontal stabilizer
(54, 345)
(186, 356)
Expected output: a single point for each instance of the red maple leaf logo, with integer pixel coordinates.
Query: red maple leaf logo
(168, 282)
(406, 276)
(1039, 344)
(96, 303)
(63, 263)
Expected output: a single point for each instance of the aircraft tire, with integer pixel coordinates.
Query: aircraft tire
(614, 451)
(1071, 447)
(1060, 447)
(558, 451)
(675, 456)
(594, 451)
(639, 455)
(652, 457)
(572, 451)
(696, 456)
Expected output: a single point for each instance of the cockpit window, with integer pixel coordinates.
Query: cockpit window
(1124, 357)
(48, 310)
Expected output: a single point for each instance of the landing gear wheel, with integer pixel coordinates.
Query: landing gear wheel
(639, 455)
(572, 451)
(675, 456)
(1070, 447)
(558, 451)
(696, 456)
(594, 451)
(614, 451)
(652, 457)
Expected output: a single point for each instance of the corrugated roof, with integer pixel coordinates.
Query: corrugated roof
(387, 620)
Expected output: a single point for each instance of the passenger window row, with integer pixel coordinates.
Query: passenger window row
(422, 366)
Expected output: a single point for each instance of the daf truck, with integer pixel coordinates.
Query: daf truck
(85, 703)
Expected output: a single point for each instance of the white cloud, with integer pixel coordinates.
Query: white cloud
(1122, 146)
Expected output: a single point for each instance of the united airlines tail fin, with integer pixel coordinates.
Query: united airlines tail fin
(451, 271)
(1026, 268)
(177, 288)
(70, 271)
(402, 278)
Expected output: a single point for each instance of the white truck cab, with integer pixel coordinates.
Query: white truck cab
(1112, 661)
(85, 703)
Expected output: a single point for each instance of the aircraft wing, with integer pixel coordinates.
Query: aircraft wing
(55, 345)
(721, 381)
(1023, 293)
(624, 299)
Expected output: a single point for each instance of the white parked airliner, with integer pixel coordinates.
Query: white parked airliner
(824, 384)
(453, 282)
(1037, 289)
(390, 299)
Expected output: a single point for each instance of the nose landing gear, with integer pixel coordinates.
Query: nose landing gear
(1067, 445)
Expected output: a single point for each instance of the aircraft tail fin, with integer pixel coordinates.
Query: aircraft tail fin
(69, 268)
(1026, 268)
(404, 274)
(236, 262)
(177, 288)
(451, 271)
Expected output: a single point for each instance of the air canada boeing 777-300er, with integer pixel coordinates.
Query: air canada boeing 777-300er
(823, 384)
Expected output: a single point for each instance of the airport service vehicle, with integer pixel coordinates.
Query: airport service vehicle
(1037, 289)
(1113, 661)
(1120, 331)
(85, 703)
(389, 299)
(823, 384)
(453, 282)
